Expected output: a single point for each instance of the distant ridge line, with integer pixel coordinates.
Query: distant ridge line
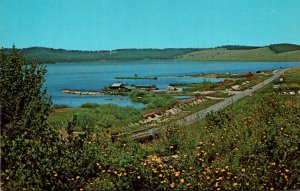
(274, 52)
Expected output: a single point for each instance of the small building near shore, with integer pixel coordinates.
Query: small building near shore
(116, 86)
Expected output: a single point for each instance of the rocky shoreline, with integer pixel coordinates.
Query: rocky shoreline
(78, 92)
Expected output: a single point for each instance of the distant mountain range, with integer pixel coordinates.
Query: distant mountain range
(275, 52)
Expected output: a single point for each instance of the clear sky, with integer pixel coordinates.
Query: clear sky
(112, 24)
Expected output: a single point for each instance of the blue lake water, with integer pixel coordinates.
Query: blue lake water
(97, 75)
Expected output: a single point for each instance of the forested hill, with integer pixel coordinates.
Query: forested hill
(276, 52)
(50, 55)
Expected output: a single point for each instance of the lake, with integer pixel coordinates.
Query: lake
(96, 75)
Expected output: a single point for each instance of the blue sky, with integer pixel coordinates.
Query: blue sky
(113, 24)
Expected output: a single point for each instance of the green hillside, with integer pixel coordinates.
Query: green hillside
(280, 52)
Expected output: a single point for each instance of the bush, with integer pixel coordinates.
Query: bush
(33, 155)
(89, 105)
(60, 106)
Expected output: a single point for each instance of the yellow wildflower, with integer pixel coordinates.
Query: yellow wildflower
(138, 177)
(182, 180)
(160, 175)
(273, 163)
(77, 177)
(177, 173)
(243, 170)
(234, 184)
(216, 184)
(220, 178)
(286, 177)
(55, 175)
(172, 185)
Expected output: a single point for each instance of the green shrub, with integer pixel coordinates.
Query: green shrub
(89, 105)
(33, 155)
(60, 106)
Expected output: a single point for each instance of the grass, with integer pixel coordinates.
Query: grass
(291, 79)
(153, 101)
(191, 87)
(259, 54)
(100, 117)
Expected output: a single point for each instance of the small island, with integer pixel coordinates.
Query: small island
(135, 77)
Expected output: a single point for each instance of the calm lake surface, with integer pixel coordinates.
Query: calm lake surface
(96, 75)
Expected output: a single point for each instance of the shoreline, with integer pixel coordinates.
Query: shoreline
(156, 60)
(79, 92)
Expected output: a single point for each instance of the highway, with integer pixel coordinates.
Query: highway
(220, 105)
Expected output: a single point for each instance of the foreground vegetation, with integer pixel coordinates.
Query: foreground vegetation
(252, 145)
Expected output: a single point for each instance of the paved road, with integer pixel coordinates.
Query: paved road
(220, 105)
